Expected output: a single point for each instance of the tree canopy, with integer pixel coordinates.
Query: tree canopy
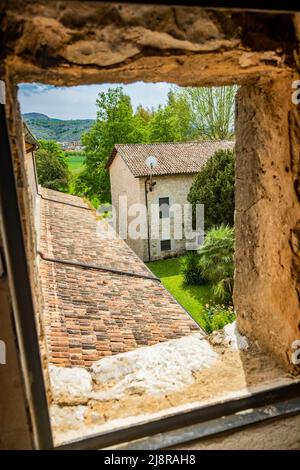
(115, 123)
(189, 114)
(212, 110)
(214, 187)
(172, 123)
(52, 167)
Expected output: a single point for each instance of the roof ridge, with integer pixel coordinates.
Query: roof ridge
(174, 157)
(180, 143)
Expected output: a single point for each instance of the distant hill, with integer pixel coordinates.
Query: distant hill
(35, 116)
(46, 128)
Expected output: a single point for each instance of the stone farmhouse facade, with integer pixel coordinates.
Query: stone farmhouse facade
(176, 167)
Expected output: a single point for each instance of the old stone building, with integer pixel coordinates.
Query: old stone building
(162, 192)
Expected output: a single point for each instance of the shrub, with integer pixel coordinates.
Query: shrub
(216, 263)
(189, 267)
(214, 187)
(215, 317)
(52, 167)
(95, 201)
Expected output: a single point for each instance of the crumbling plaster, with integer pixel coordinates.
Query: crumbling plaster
(70, 43)
(157, 380)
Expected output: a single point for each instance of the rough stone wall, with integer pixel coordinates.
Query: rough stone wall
(32, 188)
(16, 430)
(15, 427)
(87, 42)
(27, 199)
(266, 291)
(159, 380)
(128, 385)
(123, 183)
(176, 188)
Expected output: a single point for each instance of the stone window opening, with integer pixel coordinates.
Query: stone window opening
(55, 376)
(164, 207)
(165, 245)
(263, 107)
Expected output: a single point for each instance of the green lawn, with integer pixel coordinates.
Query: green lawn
(75, 163)
(192, 298)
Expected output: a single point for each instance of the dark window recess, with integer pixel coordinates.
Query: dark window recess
(164, 207)
(194, 225)
(165, 245)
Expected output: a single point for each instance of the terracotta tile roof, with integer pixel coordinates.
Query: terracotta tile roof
(90, 314)
(172, 158)
(74, 234)
(64, 198)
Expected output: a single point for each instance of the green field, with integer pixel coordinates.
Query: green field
(76, 164)
(192, 297)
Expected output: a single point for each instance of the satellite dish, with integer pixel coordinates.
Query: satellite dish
(151, 162)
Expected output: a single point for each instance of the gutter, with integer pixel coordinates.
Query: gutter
(97, 267)
(148, 224)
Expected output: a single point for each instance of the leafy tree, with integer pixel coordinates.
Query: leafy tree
(52, 167)
(177, 121)
(216, 261)
(214, 187)
(141, 120)
(212, 111)
(116, 123)
(145, 114)
(163, 126)
(171, 123)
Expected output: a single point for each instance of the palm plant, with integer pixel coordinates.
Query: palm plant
(189, 267)
(216, 261)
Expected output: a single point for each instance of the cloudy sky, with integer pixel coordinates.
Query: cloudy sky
(79, 102)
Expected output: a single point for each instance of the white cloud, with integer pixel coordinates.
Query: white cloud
(28, 89)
